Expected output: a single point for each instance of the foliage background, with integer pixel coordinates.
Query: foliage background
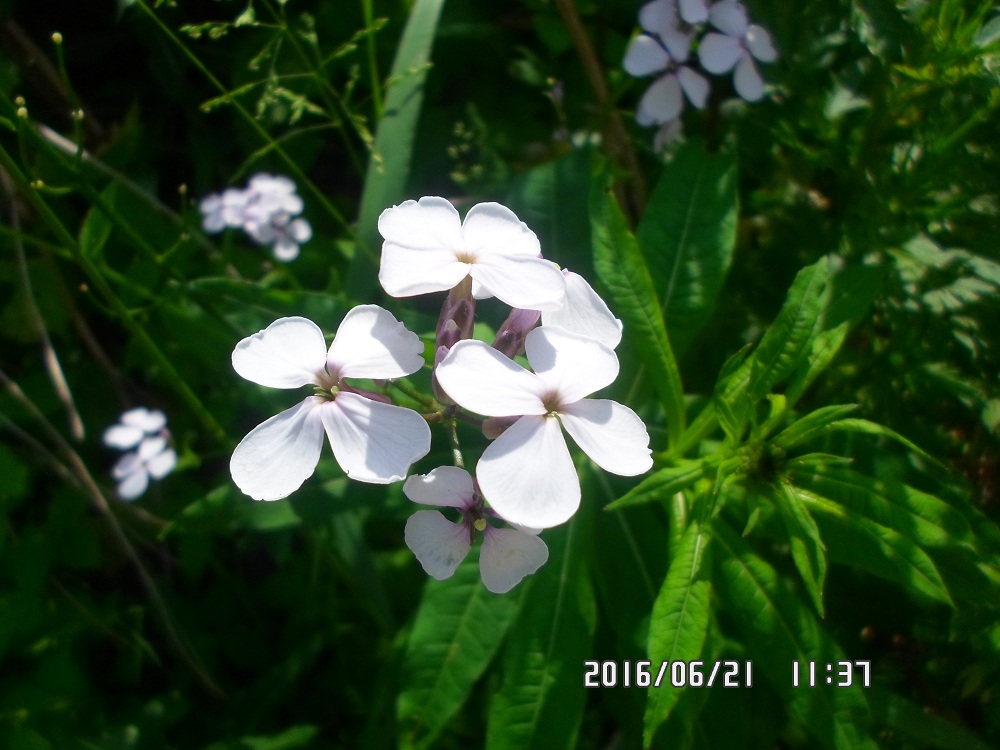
(196, 618)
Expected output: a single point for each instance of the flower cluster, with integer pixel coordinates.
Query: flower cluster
(725, 41)
(143, 434)
(266, 210)
(525, 477)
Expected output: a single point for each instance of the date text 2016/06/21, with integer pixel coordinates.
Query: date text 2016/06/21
(678, 674)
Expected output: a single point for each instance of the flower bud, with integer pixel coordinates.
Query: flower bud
(510, 337)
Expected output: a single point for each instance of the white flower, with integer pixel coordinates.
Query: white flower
(225, 210)
(281, 231)
(145, 431)
(737, 46)
(428, 248)
(372, 441)
(584, 312)
(527, 474)
(663, 101)
(507, 556)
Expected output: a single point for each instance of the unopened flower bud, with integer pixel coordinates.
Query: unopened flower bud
(57, 38)
(510, 337)
(22, 112)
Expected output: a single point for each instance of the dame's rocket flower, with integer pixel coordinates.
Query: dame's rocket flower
(737, 46)
(145, 431)
(507, 556)
(527, 474)
(372, 441)
(584, 312)
(428, 248)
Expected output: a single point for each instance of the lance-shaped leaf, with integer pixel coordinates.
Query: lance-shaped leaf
(927, 520)
(539, 703)
(389, 165)
(790, 337)
(803, 537)
(779, 628)
(458, 629)
(859, 541)
(662, 484)
(687, 234)
(811, 425)
(622, 268)
(679, 622)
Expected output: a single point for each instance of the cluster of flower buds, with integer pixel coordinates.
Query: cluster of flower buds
(525, 477)
(267, 210)
(725, 41)
(143, 434)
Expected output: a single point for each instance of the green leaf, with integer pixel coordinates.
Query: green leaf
(859, 541)
(687, 234)
(458, 629)
(96, 230)
(389, 165)
(662, 484)
(790, 337)
(778, 629)
(539, 703)
(621, 267)
(807, 547)
(299, 736)
(811, 425)
(924, 727)
(927, 520)
(871, 428)
(821, 353)
(679, 621)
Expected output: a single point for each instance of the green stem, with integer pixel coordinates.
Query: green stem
(373, 75)
(110, 298)
(293, 168)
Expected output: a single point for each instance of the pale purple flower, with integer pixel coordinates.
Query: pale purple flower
(507, 555)
(428, 248)
(373, 441)
(736, 47)
(143, 433)
(527, 474)
(664, 49)
(266, 210)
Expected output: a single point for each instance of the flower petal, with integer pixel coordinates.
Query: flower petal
(371, 343)
(759, 43)
(151, 447)
(374, 442)
(423, 240)
(612, 435)
(406, 272)
(645, 56)
(289, 353)
(694, 11)
(133, 485)
(161, 465)
(570, 365)
(285, 249)
(718, 53)
(695, 86)
(522, 281)
(585, 313)
(527, 474)
(437, 543)
(481, 379)
(747, 80)
(448, 486)
(278, 455)
(658, 15)
(678, 44)
(493, 229)
(662, 101)
(427, 224)
(127, 465)
(147, 420)
(122, 436)
(508, 556)
(729, 17)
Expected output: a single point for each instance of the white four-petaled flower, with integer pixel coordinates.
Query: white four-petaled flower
(584, 312)
(428, 248)
(527, 474)
(372, 441)
(145, 431)
(737, 46)
(507, 555)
